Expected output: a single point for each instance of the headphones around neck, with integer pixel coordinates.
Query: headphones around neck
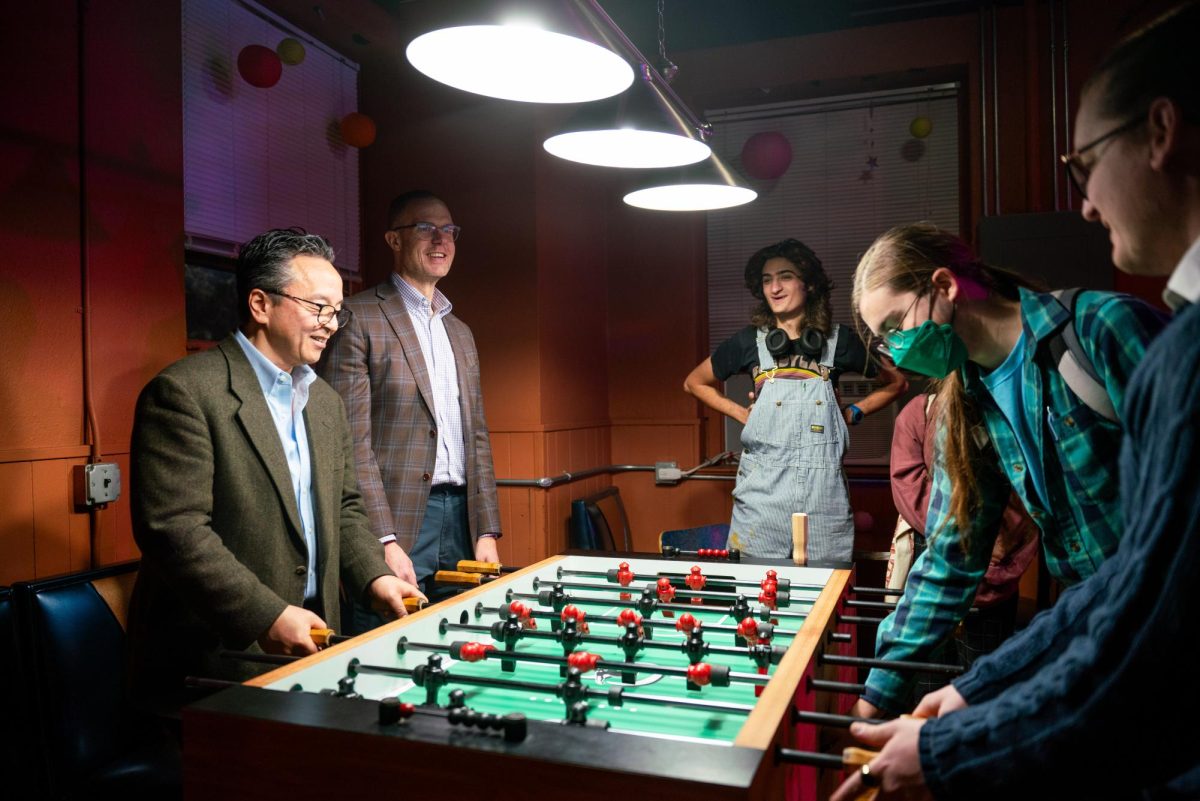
(811, 343)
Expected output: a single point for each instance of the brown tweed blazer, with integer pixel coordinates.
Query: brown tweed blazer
(376, 365)
(215, 516)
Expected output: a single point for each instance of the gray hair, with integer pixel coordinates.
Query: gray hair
(265, 262)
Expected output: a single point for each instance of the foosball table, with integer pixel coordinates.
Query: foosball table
(605, 677)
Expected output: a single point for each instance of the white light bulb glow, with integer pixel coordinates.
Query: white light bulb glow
(520, 63)
(627, 148)
(690, 197)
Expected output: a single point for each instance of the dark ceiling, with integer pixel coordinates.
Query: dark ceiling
(362, 28)
(697, 24)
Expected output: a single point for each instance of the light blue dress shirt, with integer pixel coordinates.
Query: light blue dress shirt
(286, 395)
(450, 463)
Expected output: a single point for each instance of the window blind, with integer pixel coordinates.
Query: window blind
(265, 158)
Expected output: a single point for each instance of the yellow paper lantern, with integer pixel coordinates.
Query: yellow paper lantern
(290, 52)
(920, 127)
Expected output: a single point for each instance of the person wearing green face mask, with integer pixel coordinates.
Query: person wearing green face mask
(1006, 421)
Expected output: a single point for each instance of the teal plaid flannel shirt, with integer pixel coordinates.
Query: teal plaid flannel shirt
(1079, 454)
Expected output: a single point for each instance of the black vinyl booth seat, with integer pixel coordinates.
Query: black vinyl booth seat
(86, 742)
(13, 758)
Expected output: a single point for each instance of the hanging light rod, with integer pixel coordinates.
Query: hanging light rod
(541, 52)
(647, 126)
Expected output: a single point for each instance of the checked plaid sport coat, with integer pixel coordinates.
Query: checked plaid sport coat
(376, 365)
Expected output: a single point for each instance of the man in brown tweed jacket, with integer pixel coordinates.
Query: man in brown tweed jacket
(408, 372)
(245, 502)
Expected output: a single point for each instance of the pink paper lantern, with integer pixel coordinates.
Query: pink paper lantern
(259, 66)
(766, 155)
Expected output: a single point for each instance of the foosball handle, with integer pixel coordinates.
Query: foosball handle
(800, 538)
(459, 578)
(853, 757)
(320, 637)
(471, 566)
(414, 604)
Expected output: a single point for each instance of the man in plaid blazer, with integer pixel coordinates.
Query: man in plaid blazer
(408, 372)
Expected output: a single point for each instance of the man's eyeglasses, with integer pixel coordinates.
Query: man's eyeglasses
(324, 311)
(1080, 172)
(424, 230)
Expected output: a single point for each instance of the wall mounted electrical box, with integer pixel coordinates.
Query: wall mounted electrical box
(97, 484)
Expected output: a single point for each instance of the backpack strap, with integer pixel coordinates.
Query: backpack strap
(1072, 361)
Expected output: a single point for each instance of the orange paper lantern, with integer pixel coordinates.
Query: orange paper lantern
(358, 130)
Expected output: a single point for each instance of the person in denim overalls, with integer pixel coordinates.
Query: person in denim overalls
(795, 434)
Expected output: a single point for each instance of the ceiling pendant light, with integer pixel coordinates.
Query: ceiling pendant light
(553, 53)
(706, 186)
(646, 126)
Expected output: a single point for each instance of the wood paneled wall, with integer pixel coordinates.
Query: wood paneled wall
(126, 177)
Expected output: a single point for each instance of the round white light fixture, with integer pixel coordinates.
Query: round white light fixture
(627, 147)
(690, 197)
(520, 63)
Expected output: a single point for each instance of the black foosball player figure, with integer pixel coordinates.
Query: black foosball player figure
(631, 644)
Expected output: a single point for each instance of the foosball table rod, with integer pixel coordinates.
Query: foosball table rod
(843, 687)
(889, 664)
(782, 598)
(614, 696)
(647, 623)
(849, 758)
(615, 577)
(738, 610)
(495, 631)
(700, 674)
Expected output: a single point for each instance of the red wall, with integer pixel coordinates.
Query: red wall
(132, 192)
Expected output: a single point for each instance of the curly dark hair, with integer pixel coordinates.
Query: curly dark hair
(817, 313)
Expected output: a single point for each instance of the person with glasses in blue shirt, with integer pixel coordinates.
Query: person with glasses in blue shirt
(1108, 672)
(795, 434)
(1006, 421)
(408, 371)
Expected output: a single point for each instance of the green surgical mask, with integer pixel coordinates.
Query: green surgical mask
(931, 349)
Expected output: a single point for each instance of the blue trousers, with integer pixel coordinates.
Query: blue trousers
(444, 539)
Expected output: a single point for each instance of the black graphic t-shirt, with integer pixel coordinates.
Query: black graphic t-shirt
(739, 354)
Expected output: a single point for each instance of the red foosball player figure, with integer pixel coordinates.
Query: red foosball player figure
(628, 616)
(687, 623)
(625, 577)
(573, 612)
(758, 640)
(768, 597)
(666, 594)
(696, 581)
(524, 613)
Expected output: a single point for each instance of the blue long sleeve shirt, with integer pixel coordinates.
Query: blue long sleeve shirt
(1108, 672)
(1077, 450)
